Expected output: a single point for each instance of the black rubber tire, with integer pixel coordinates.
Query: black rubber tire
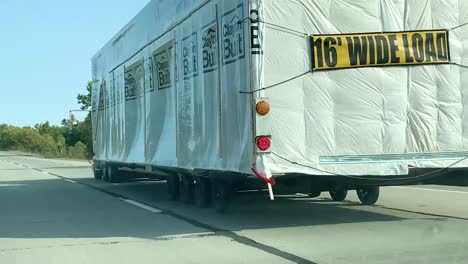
(221, 194)
(97, 174)
(112, 174)
(202, 192)
(187, 189)
(173, 187)
(315, 194)
(105, 173)
(339, 195)
(368, 195)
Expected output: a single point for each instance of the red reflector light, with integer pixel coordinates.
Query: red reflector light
(263, 143)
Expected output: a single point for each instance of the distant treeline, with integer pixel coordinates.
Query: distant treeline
(48, 140)
(72, 139)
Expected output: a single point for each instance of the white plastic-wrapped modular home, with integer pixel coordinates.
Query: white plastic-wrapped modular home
(326, 95)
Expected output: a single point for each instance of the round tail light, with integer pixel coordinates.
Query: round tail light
(263, 143)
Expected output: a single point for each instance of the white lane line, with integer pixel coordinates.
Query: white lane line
(68, 180)
(45, 172)
(142, 206)
(426, 189)
(192, 235)
(11, 185)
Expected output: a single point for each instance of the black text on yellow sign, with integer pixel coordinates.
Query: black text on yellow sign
(380, 49)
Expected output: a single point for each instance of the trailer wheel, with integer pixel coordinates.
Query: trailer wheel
(173, 186)
(187, 188)
(112, 174)
(368, 195)
(202, 192)
(338, 195)
(315, 194)
(221, 196)
(105, 173)
(97, 173)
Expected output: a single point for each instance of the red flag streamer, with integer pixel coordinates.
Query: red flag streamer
(264, 178)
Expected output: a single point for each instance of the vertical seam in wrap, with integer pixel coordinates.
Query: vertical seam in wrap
(333, 115)
(463, 110)
(438, 107)
(384, 120)
(408, 86)
(382, 92)
(304, 100)
(380, 16)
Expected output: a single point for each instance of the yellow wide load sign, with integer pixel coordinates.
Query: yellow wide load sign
(380, 49)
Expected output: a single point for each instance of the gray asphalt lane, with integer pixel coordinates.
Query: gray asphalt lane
(425, 224)
(48, 220)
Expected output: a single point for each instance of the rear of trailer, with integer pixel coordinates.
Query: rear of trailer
(312, 95)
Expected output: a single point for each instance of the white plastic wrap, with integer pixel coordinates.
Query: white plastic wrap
(172, 78)
(367, 111)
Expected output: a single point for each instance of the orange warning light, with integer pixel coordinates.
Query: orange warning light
(263, 108)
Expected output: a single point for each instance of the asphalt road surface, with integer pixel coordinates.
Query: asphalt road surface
(53, 211)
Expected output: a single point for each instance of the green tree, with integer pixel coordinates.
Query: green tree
(82, 132)
(78, 151)
(85, 99)
(7, 137)
(46, 129)
(61, 146)
(50, 140)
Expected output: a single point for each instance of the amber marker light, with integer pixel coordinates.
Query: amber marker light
(263, 108)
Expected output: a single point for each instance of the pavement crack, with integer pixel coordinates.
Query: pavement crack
(111, 243)
(217, 231)
(67, 245)
(423, 213)
(242, 239)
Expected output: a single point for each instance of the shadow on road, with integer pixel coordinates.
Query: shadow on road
(53, 208)
(254, 210)
(57, 209)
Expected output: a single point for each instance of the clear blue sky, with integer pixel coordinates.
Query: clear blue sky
(45, 52)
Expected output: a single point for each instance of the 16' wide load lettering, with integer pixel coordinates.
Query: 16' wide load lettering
(380, 49)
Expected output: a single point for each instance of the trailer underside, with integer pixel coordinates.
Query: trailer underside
(208, 187)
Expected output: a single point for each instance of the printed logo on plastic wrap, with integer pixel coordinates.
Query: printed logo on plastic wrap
(233, 35)
(130, 86)
(255, 33)
(210, 47)
(163, 61)
(134, 81)
(190, 56)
